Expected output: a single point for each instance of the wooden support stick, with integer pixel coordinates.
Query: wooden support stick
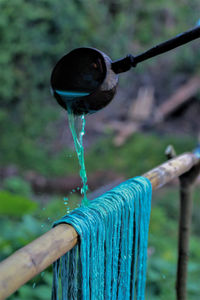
(186, 202)
(186, 186)
(32, 259)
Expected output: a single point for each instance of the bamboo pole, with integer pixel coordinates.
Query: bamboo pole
(171, 169)
(32, 259)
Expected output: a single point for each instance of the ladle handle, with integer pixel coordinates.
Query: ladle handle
(126, 63)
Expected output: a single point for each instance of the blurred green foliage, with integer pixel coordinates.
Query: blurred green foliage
(33, 36)
(17, 185)
(134, 158)
(15, 205)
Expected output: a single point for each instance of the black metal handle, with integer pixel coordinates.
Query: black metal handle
(129, 61)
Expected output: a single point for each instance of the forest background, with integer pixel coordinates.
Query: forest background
(36, 148)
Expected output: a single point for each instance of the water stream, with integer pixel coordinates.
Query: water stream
(78, 143)
(77, 127)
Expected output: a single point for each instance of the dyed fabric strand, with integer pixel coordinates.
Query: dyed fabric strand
(110, 261)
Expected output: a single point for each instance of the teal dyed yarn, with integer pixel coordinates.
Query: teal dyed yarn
(109, 263)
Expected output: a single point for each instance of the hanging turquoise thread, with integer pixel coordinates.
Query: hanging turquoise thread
(110, 261)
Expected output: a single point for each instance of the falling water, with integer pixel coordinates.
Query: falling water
(77, 134)
(78, 142)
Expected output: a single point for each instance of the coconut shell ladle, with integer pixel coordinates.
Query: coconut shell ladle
(85, 80)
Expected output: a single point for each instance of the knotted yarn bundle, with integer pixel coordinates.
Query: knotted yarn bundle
(109, 262)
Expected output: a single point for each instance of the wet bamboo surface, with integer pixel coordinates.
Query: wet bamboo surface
(32, 259)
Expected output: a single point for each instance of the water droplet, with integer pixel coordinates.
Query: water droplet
(42, 225)
(65, 200)
(73, 190)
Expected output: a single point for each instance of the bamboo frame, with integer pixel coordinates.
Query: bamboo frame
(32, 259)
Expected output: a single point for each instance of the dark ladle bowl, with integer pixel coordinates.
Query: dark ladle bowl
(83, 81)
